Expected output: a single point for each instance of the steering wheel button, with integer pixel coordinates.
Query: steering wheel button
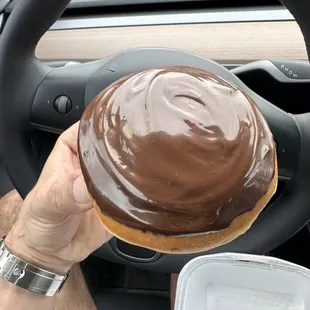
(63, 104)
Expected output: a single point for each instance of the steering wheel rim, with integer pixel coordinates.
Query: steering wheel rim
(27, 88)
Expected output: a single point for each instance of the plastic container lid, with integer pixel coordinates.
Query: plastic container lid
(242, 282)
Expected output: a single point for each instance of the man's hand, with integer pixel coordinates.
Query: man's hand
(58, 226)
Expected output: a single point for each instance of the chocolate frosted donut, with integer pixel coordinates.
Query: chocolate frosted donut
(176, 151)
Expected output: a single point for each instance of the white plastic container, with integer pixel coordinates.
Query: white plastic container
(242, 282)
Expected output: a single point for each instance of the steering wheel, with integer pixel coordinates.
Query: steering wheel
(28, 90)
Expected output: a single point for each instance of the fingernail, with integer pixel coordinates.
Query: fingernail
(80, 192)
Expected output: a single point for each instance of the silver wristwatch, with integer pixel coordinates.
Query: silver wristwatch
(27, 276)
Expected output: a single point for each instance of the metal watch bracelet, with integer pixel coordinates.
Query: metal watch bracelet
(27, 276)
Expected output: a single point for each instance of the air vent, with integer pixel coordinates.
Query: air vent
(122, 13)
(160, 4)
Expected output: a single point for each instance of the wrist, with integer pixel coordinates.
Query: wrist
(18, 247)
(14, 297)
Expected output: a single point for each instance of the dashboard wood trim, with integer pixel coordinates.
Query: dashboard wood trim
(223, 42)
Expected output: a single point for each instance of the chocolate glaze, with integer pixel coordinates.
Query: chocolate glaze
(175, 151)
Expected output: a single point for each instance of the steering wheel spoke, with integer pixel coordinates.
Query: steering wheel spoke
(60, 98)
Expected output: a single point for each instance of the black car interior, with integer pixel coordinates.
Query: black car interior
(38, 100)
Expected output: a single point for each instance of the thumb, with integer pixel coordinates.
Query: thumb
(70, 195)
